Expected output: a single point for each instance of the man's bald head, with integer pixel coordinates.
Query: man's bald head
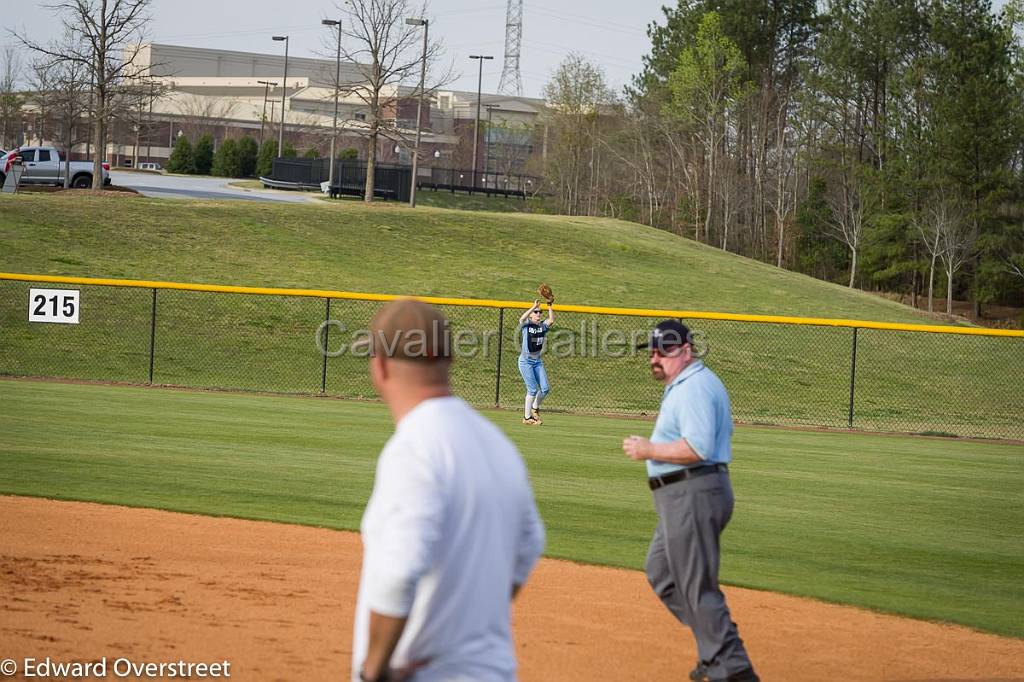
(411, 352)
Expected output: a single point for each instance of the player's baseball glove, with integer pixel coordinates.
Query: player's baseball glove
(545, 292)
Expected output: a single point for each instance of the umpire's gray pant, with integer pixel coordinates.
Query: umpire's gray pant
(682, 567)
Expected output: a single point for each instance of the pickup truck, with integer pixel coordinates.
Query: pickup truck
(44, 166)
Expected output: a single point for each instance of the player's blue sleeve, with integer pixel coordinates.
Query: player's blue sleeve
(697, 418)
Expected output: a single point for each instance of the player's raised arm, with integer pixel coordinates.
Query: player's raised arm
(551, 315)
(536, 306)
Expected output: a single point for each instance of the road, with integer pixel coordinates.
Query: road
(186, 187)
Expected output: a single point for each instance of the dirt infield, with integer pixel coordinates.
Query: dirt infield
(85, 581)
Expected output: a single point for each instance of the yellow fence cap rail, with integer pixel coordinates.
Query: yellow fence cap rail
(491, 303)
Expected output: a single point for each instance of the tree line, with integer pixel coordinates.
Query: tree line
(243, 157)
(874, 143)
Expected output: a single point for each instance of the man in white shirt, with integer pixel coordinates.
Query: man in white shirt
(451, 531)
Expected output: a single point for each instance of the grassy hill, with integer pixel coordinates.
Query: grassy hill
(776, 374)
(393, 249)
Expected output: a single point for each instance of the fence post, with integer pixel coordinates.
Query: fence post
(853, 376)
(327, 337)
(152, 337)
(497, 380)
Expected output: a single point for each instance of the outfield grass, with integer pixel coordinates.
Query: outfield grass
(924, 527)
(777, 374)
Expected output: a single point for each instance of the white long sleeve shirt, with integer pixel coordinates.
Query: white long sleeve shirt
(450, 528)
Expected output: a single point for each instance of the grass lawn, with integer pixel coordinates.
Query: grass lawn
(390, 248)
(924, 527)
(777, 374)
(246, 184)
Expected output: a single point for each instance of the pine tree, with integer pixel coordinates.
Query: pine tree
(248, 151)
(226, 162)
(974, 113)
(203, 155)
(265, 160)
(182, 160)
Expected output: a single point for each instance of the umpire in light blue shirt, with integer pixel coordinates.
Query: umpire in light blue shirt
(687, 461)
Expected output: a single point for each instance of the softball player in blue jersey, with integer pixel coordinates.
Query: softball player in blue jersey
(533, 330)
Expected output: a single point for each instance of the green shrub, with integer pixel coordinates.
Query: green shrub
(226, 162)
(203, 155)
(265, 161)
(182, 159)
(248, 151)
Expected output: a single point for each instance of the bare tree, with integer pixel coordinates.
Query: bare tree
(386, 52)
(848, 207)
(69, 104)
(132, 109)
(107, 36)
(1015, 265)
(577, 94)
(931, 227)
(40, 94)
(510, 146)
(198, 113)
(60, 90)
(786, 178)
(956, 247)
(10, 98)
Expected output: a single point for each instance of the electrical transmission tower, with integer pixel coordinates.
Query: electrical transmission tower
(511, 83)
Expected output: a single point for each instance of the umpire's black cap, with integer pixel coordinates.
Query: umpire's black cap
(668, 334)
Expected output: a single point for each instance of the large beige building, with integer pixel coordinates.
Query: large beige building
(225, 93)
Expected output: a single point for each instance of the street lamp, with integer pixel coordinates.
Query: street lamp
(487, 140)
(284, 93)
(337, 87)
(266, 91)
(476, 125)
(425, 23)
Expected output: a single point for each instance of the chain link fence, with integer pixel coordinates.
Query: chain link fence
(784, 374)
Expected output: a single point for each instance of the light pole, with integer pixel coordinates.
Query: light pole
(284, 93)
(266, 91)
(425, 23)
(476, 125)
(149, 124)
(487, 142)
(337, 87)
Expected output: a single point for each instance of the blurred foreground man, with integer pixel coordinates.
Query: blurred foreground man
(451, 531)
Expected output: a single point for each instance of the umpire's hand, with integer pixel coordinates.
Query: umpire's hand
(637, 448)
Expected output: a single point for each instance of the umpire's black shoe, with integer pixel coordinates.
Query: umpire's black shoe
(747, 675)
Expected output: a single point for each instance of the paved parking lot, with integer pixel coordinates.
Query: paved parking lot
(199, 187)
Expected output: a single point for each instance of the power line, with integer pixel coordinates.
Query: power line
(587, 21)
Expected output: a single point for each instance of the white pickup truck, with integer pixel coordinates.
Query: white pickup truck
(44, 166)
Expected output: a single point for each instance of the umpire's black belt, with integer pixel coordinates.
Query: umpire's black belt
(693, 472)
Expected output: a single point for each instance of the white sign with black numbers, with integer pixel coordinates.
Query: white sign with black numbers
(53, 305)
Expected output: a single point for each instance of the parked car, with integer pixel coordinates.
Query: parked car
(150, 166)
(44, 166)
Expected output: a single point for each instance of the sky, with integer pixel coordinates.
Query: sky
(610, 34)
